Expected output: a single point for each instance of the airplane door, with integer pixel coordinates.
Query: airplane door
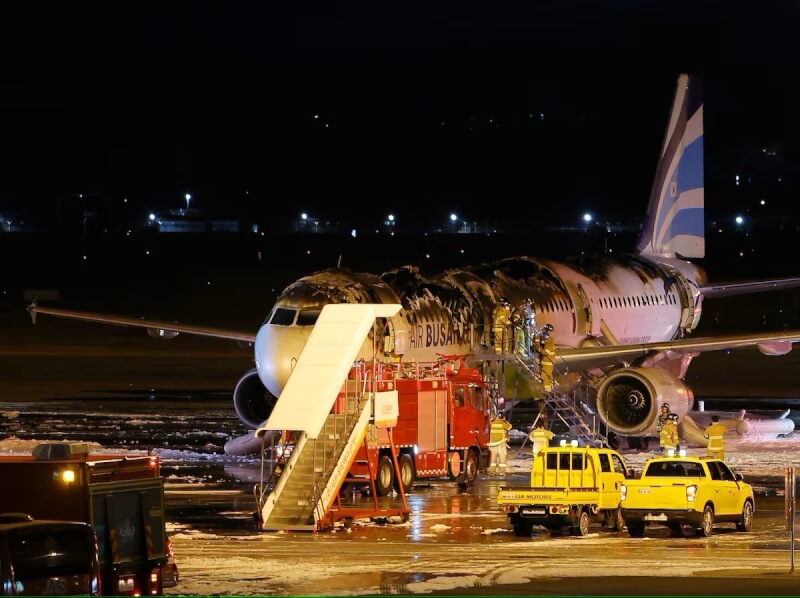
(395, 337)
(586, 312)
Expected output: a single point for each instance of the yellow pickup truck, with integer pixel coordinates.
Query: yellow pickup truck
(687, 493)
(570, 487)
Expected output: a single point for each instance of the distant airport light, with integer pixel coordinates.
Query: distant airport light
(763, 202)
(152, 216)
(303, 216)
(739, 220)
(188, 197)
(353, 233)
(587, 217)
(453, 217)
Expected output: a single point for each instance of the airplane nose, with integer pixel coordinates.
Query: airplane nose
(276, 351)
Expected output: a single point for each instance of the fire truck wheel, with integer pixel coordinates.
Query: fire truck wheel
(454, 465)
(471, 468)
(384, 478)
(407, 475)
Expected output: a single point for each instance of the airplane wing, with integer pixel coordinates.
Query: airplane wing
(771, 343)
(155, 328)
(752, 286)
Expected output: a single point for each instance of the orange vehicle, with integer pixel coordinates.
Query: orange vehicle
(120, 496)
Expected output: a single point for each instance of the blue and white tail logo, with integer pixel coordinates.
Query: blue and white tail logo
(675, 216)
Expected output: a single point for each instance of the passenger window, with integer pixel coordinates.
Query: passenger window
(604, 464)
(552, 461)
(619, 466)
(459, 394)
(714, 470)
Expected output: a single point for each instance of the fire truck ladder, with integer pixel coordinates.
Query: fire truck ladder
(327, 443)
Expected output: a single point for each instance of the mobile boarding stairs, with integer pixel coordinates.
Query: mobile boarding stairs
(330, 424)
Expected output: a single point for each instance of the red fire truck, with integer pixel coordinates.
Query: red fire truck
(120, 496)
(442, 428)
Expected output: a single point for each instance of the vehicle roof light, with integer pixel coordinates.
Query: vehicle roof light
(574, 442)
(562, 443)
(670, 452)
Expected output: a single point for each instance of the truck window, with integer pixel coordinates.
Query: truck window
(725, 473)
(605, 465)
(578, 461)
(458, 394)
(568, 461)
(478, 400)
(714, 471)
(619, 466)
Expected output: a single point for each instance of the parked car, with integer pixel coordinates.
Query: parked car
(48, 558)
(683, 493)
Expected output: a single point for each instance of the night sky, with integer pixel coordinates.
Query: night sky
(406, 107)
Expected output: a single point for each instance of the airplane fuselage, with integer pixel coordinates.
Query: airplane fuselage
(600, 301)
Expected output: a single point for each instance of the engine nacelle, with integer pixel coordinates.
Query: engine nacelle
(629, 400)
(253, 403)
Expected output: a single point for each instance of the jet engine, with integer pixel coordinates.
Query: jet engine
(253, 403)
(629, 400)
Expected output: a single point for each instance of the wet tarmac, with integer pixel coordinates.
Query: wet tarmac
(174, 399)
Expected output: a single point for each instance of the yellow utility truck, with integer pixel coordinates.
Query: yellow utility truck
(570, 487)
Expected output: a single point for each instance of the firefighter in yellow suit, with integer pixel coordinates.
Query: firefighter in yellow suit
(498, 444)
(540, 437)
(715, 432)
(547, 356)
(501, 326)
(668, 436)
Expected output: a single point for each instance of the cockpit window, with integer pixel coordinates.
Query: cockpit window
(308, 317)
(283, 316)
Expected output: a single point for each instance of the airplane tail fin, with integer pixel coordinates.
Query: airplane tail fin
(675, 215)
